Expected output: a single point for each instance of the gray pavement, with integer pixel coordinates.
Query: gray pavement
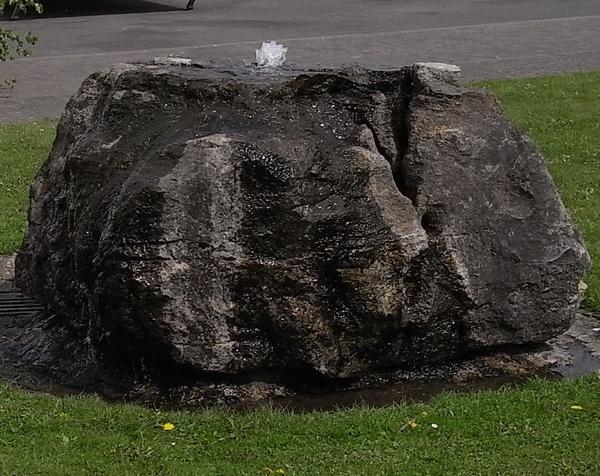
(487, 38)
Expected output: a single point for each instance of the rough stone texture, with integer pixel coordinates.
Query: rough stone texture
(7, 273)
(333, 222)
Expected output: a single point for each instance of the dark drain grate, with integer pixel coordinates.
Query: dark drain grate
(17, 304)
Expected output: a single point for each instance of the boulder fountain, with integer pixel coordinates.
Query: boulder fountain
(208, 226)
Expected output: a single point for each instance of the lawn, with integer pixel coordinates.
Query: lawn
(529, 431)
(543, 428)
(22, 150)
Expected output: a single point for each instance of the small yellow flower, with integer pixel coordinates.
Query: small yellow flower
(270, 470)
(167, 426)
(413, 424)
(576, 407)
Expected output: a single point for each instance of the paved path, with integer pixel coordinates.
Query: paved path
(487, 38)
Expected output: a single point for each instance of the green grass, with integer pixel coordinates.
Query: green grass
(562, 114)
(530, 431)
(22, 149)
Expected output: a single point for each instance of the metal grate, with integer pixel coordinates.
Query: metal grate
(17, 304)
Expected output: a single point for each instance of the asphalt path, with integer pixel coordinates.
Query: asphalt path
(486, 38)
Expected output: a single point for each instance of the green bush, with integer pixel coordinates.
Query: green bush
(13, 44)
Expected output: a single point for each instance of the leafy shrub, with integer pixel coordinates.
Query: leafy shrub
(13, 44)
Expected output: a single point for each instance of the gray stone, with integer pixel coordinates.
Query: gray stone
(334, 223)
(7, 273)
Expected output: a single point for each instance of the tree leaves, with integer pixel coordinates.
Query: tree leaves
(13, 44)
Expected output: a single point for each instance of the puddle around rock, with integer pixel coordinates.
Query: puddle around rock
(583, 363)
(397, 393)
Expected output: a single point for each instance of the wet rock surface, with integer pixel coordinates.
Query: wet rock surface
(257, 231)
(7, 273)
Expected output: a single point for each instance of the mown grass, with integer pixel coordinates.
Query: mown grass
(23, 147)
(528, 431)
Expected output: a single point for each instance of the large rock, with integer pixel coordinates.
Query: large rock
(329, 222)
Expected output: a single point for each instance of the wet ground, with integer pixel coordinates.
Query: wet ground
(573, 354)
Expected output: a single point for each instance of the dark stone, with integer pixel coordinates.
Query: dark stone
(249, 223)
